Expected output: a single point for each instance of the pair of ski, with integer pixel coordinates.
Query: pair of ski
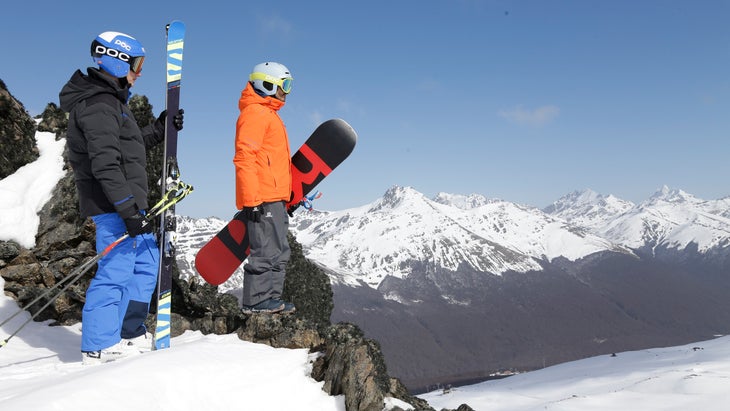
(328, 146)
(170, 178)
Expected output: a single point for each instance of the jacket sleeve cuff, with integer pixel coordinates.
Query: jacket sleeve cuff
(158, 129)
(127, 211)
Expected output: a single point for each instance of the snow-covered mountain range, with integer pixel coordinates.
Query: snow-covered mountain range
(670, 218)
(383, 238)
(494, 236)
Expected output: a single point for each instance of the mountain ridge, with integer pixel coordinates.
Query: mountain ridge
(385, 237)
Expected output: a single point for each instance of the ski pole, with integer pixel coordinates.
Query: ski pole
(75, 275)
(180, 191)
(83, 268)
(171, 197)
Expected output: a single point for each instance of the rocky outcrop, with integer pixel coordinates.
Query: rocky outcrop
(354, 366)
(53, 120)
(17, 134)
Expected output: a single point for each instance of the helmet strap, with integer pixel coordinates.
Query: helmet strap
(260, 93)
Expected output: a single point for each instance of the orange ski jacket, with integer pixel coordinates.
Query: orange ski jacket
(262, 159)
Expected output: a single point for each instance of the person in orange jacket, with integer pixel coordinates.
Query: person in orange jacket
(263, 186)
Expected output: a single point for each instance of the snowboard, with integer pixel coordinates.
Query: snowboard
(328, 146)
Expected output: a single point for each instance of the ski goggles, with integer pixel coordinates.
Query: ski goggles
(135, 64)
(284, 83)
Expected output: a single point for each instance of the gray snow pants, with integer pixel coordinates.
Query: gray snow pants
(265, 267)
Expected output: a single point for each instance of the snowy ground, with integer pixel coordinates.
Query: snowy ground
(691, 377)
(40, 369)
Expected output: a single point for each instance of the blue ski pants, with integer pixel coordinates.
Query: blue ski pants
(118, 297)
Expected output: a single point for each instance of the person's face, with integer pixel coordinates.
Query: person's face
(280, 95)
(135, 69)
(132, 77)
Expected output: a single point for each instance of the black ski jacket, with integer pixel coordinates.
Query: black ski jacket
(106, 147)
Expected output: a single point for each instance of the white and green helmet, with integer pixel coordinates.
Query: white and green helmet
(266, 76)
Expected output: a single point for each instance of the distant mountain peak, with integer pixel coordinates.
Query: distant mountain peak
(578, 198)
(396, 192)
(671, 195)
(398, 196)
(463, 202)
(588, 208)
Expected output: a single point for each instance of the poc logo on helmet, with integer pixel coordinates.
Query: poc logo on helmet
(101, 50)
(123, 44)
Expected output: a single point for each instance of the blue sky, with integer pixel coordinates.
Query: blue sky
(522, 101)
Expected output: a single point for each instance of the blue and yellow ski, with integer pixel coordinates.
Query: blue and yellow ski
(170, 177)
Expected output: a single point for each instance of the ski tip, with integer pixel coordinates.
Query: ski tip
(175, 24)
(177, 27)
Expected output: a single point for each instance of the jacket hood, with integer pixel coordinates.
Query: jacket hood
(249, 96)
(82, 86)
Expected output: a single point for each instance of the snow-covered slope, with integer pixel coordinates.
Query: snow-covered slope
(689, 377)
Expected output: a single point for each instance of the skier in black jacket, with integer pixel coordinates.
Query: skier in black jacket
(107, 151)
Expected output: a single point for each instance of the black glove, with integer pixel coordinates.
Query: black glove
(177, 120)
(137, 225)
(293, 208)
(290, 210)
(252, 213)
